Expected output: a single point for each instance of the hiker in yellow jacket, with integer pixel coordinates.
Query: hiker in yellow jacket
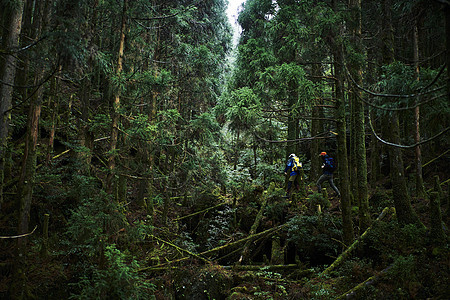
(293, 167)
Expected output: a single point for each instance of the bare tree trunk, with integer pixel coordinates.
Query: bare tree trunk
(420, 189)
(53, 104)
(402, 201)
(348, 233)
(8, 73)
(27, 176)
(359, 129)
(316, 128)
(447, 46)
(28, 173)
(116, 105)
(292, 134)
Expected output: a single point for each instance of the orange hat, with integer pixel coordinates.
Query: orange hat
(322, 154)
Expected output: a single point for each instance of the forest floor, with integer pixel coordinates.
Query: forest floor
(287, 256)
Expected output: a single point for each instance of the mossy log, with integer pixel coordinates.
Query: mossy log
(246, 249)
(348, 251)
(270, 268)
(353, 293)
(217, 249)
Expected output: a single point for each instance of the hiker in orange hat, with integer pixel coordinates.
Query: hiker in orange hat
(328, 167)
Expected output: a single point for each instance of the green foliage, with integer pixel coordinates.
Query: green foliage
(319, 290)
(220, 227)
(379, 200)
(243, 109)
(238, 180)
(204, 129)
(95, 221)
(382, 247)
(399, 78)
(403, 270)
(316, 199)
(316, 236)
(119, 280)
(282, 80)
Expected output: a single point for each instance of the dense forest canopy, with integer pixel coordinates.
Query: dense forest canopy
(143, 154)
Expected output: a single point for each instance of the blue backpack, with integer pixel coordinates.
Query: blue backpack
(330, 164)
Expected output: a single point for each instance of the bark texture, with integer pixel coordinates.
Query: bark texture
(8, 73)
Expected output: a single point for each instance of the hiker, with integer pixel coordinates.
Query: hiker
(328, 167)
(293, 167)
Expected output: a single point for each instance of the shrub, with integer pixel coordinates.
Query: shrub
(119, 280)
(316, 237)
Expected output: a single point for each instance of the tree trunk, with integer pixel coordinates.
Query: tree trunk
(402, 201)
(359, 129)
(8, 73)
(348, 233)
(292, 134)
(316, 129)
(115, 115)
(420, 189)
(447, 47)
(437, 234)
(28, 172)
(374, 158)
(53, 104)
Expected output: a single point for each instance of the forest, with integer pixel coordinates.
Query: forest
(146, 154)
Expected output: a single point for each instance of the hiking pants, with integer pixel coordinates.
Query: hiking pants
(293, 180)
(329, 178)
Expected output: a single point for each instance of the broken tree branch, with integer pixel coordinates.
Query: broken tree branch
(19, 236)
(200, 212)
(180, 249)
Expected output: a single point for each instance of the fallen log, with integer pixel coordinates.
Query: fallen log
(347, 251)
(245, 251)
(211, 251)
(369, 281)
(270, 268)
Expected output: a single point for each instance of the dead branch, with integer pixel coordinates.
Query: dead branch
(200, 212)
(19, 236)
